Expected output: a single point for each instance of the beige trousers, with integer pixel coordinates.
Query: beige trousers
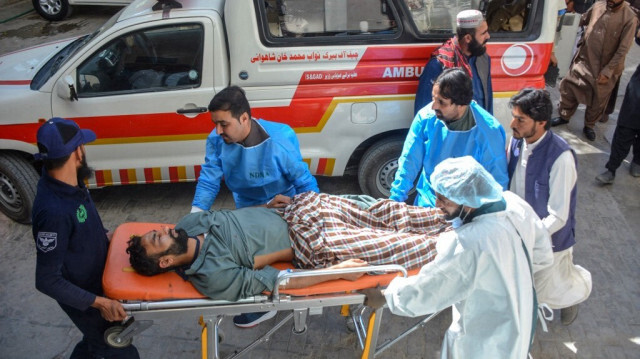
(564, 283)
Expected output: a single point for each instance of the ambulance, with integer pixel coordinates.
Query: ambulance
(341, 73)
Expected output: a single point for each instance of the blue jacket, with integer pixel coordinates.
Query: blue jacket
(434, 68)
(254, 174)
(71, 243)
(429, 142)
(536, 184)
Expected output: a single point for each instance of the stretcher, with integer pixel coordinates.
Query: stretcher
(167, 296)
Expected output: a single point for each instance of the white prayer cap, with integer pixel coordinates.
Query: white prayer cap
(469, 19)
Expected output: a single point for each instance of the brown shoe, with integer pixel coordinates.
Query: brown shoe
(604, 118)
(568, 314)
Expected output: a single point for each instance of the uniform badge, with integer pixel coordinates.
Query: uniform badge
(81, 213)
(47, 241)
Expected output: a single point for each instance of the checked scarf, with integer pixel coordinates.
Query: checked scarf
(450, 55)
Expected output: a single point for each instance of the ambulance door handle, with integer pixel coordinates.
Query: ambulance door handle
(183, 111)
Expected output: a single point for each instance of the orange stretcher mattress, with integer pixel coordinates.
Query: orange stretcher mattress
(121, 282)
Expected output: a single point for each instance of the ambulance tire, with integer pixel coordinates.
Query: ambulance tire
(378, 167)
(18, 181)
(52, 10)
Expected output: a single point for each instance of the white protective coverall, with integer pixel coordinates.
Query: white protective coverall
(482, 270)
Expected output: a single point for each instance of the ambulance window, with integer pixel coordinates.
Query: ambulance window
(439, 16)
(157, 59)
(328, 18)
(436, 16)
(507, 15)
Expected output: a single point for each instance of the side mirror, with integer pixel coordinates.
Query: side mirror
(66, 89)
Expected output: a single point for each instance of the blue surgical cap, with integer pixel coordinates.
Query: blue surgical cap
(464, 181)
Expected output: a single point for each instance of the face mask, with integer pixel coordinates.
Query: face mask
(457, 222)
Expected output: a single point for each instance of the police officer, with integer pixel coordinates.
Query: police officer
(71, 241)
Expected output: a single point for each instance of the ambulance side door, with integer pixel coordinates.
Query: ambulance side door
(144, 90)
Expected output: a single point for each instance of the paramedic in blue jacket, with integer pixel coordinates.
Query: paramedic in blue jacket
(258, 159)
(71, 241)
(452, 125)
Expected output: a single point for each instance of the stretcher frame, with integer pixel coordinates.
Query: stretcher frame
(210, 312)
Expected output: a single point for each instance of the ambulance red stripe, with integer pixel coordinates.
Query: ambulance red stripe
(124, 176)
(312, 97)
(15, 82)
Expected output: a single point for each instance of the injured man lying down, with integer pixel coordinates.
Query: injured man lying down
(226, 254)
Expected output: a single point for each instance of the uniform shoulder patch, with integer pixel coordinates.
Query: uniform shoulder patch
(81, 213)
(47, 241)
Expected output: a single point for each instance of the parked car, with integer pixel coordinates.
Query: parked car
(56, 10)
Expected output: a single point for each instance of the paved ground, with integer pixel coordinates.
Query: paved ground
(608, 326)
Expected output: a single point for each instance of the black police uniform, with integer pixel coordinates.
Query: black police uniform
(72, 248)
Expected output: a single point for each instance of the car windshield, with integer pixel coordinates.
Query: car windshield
(59, 59)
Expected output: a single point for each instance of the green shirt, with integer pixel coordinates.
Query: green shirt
(224, 267)
(465, 123)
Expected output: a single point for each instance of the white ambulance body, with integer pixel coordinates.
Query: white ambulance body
(341, 73)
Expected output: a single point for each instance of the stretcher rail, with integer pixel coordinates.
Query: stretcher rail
(284, 276)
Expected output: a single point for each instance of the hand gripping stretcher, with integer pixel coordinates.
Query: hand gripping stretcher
(167, 296)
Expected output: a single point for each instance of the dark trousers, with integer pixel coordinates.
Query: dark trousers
(623, 139)
(92, 345)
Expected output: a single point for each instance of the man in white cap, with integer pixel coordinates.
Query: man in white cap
(71, 241)
(467, 50)
(483, 269)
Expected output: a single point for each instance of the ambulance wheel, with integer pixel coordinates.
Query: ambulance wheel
(112, 333)
(378, 167)
(52, 10)
(18, 181)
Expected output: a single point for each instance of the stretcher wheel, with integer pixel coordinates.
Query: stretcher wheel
(110, 337)
(296, 332)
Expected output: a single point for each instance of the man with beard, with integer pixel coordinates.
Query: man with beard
(258, 159)
(71, 241)
(598, 63)
(450, 126)
(484, 273)
(466, 50)
(227, 254)
(542, 169)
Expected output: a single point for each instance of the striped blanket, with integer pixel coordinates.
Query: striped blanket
(327, 229)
